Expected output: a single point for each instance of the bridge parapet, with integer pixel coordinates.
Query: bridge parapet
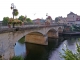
(4, 30)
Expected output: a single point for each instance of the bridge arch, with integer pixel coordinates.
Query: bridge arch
(35, 37)
(60, 30)
(35, 32)
(20, 34)
(52, 33)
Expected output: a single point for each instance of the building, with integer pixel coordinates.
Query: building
(0, 23)
(48, 20)
(39, 21)
(71, 19)
(62, 20)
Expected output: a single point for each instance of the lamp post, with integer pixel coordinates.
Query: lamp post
(12, 7)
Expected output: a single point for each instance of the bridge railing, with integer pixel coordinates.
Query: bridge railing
(33, 25)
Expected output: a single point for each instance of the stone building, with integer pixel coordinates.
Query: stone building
(62, 20)
(71, 19)
(48, 20)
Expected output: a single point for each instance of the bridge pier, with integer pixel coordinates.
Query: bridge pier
(9, 52)
(53, 34)
(6, 46)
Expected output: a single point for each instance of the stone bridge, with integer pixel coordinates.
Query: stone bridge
(33, 34)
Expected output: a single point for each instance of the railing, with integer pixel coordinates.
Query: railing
(33, 25)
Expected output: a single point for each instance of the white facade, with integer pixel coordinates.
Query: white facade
(71, 19)
(77, 22)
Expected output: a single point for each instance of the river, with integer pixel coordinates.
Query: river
(50, 52)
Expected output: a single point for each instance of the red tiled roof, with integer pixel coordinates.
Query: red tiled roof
(49, 17)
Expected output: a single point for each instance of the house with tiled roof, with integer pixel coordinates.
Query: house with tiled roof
(77, 20)
(71, 13)
(71, 18)
(61, 20)
(49, 20)
(39, 21)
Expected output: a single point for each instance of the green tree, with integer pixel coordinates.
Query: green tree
(29, 20)
(69, 55)
(25, 19)
(76, 28)
(15, 12)
(57, 19)
(21, 18)
(5, 21)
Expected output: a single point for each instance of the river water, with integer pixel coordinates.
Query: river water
(50, 52)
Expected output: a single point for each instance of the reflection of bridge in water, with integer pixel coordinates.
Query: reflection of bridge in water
(33, 34)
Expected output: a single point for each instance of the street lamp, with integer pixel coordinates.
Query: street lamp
(13, 7)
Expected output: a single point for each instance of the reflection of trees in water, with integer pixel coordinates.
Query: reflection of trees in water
(39, 52)
(72, 39)
(36, 52)
(53, 44)
(68, 37)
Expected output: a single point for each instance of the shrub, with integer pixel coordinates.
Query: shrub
(69, 55)
(17, 58)
(22, 40)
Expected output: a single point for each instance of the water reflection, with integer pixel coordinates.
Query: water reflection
(36, 52)
(20, 49)
(50, 52)
(69, 43)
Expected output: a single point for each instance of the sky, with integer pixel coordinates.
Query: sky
(38, 8)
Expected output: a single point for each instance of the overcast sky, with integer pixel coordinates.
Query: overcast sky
(38, 8)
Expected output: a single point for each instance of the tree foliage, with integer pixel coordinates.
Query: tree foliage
(17, 58)
(76, 28)
(69, 55)
(22, 40)
(25, 19)
(15, 12)
(21, 18)
(29, 20)
(5, 21)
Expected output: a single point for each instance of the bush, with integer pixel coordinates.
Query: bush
(22, 40)
(69, 55)
(17, 58)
